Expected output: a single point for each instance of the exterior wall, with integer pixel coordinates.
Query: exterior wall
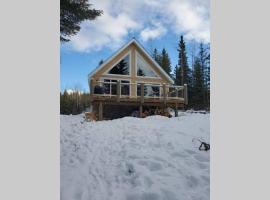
(133, 78)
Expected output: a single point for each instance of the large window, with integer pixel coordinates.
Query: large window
(143, 69)
(122, 67)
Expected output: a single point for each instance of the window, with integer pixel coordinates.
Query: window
(125, 87)
(122, 67)
(143, 69)
(111, 87)
(152, 90)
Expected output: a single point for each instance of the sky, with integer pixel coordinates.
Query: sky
(154, 23)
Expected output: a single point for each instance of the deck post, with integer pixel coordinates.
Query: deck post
(118, 91)
(176, 92)
(176, 110)
(141, 110)
(185, 94)
(164, 93)
(92, 87)
(142, 93)
(100, 111)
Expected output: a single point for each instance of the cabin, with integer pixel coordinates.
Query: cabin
(131, 80)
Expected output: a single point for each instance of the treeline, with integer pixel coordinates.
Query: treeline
(195, 73)
(74, 102)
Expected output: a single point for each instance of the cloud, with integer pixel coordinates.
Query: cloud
(152, 33)
(107, 30)
(150, 19)
(191, 18)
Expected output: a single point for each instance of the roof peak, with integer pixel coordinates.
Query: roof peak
(140, 46)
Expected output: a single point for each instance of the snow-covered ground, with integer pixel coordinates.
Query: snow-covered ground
(135, 159)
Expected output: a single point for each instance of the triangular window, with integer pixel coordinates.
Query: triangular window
(143, 68)
(122, 67)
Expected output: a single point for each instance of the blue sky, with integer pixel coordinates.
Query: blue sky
(146, 20)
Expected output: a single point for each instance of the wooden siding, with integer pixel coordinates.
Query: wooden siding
(132, 77)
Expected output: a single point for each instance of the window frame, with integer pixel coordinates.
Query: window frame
(137, 55)
(115, 63)
(117, 79)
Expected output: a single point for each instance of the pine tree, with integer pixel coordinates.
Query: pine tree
(207, 77)
(185, 73)
(177, 77)
(65, 103)
(198, 86)
(165, 62)
(100, 62)
(157, 56)
(203, 54)
(120, 68)
(72, 13)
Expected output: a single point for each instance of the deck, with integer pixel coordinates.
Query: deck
(117, 93)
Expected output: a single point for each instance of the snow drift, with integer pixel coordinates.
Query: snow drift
(131, 159)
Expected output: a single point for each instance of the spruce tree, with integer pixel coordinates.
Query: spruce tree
(203, 54)
(100, 62)
(165, 62)
(65, 104)
(72, 13)
(185, 73)
(177, 77)
(207, 77)
(120, 68)
(198, 86)
(155, 54)
(157, 57)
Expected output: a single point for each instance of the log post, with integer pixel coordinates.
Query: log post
(141, 110)
(118, 91)
(176, 110)
(142, 93)
(164, 94)
(176, 92)
(100, 111)
(92, 87)
(186, 94)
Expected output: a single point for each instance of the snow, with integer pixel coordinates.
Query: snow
(131, 158)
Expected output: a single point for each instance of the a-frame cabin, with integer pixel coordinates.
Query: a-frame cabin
(132, 79)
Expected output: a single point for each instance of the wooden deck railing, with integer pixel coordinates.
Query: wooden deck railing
(144, 90)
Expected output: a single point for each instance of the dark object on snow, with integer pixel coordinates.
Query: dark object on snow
(135, 113)
(204, 146)
(131, 169)
(99, 90)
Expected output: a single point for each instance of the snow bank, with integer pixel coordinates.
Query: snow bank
(132, 159)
